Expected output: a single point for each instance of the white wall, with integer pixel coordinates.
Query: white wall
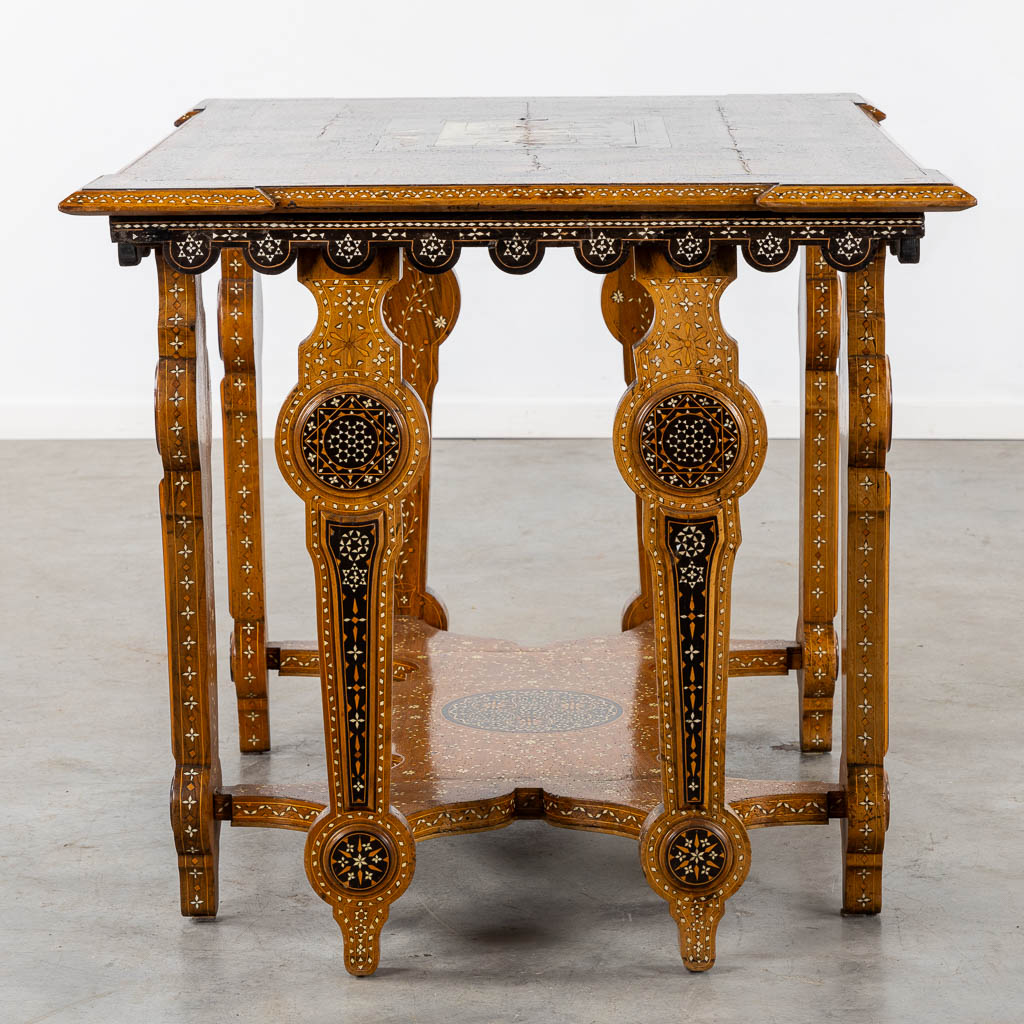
(87, 87)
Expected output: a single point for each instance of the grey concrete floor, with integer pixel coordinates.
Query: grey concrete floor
(532, 540)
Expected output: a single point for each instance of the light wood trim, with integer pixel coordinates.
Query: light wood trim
(758, 803)
(404, 199)
(866, 198)
(156, 202)
(746, 657)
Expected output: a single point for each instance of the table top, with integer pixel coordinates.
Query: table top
(736, 152)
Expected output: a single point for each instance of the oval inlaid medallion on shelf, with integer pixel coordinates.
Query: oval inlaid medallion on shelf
(531, 711)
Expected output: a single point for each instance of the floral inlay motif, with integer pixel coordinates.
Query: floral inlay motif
(360, 861)
(696, 856)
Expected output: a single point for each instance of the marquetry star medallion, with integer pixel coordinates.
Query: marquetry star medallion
(351, 441)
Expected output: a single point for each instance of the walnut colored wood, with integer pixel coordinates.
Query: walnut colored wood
(689, 439)
(352, 440)
(821, 327)
(183, 438)
(240, 325)
(627, 309)
(420, 310)
(866, 594)
(430, 734)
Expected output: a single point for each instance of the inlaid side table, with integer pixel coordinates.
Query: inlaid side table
(428, 733)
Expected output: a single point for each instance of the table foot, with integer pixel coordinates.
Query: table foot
(695, 862)
(698, 928)
(360, 864)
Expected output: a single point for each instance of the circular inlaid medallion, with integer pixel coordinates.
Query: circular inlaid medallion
(689, 440)
(696, 856)
(360, 861)
(350, 441)
(531, 711)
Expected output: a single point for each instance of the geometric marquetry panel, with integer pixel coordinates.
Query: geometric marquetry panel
(689, 440)
(360, 861)
(350, 441)
(696, 856)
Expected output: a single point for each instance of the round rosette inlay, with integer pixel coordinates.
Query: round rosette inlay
(360, 860)
(689, 440)
(696, 856)
(350, 441)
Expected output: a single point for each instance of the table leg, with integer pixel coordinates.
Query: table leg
(420, 310)
(689, 440)
(240, 330)
(821, 328)
(183, 438)
(866, 593)
(627, 311)
(352, 441)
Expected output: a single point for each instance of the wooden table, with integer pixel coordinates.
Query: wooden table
(428, 733)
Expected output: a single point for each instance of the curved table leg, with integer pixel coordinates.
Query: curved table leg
(689, 439)
(352, 441)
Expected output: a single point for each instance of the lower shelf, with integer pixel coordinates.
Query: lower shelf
(485, 732)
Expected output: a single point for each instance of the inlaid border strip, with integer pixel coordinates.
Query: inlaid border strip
(813, 804)
(768, 242)
(621, 196)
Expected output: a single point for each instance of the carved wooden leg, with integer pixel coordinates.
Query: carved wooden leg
(689, 440)
(627, 310)
(866, 593)
(421, 310)
(821, 323)
(240, 328)
(183, 438)
(352, 440)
